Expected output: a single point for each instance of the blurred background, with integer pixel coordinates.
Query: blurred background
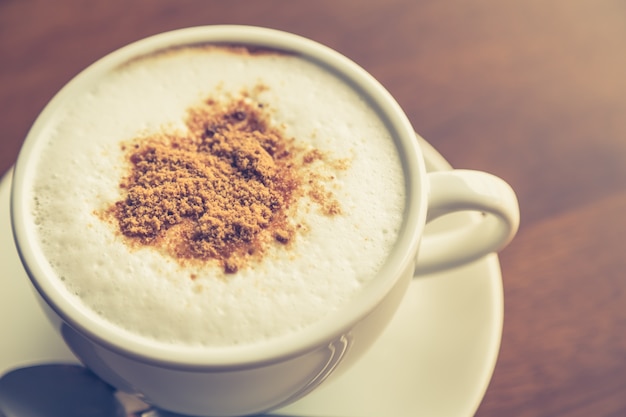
(533, 91)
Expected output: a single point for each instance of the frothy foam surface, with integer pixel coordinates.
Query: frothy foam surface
(80, 168)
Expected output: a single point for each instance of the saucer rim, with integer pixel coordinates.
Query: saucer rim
(435, 161)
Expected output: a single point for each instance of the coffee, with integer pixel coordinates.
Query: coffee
(341, 153)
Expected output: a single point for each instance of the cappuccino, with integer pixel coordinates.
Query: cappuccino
(337, 208)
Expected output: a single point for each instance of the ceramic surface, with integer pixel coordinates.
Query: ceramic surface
(435, 359)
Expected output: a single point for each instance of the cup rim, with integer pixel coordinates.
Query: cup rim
(401, 260)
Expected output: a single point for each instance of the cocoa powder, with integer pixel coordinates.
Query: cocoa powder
(222, 190)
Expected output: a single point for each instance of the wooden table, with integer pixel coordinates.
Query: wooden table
(533, 91)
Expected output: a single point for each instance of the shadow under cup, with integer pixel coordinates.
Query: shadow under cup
(238, 380)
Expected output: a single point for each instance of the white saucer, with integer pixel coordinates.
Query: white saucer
(435, 359)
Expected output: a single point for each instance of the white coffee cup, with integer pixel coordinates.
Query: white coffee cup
(254, 378)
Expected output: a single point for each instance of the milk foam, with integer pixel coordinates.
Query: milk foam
(149, 294)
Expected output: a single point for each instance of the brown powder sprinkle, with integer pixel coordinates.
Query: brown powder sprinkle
(221, 191)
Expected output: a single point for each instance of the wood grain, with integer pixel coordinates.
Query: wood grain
(533, 91)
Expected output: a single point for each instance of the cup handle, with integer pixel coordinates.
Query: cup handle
(466, 190)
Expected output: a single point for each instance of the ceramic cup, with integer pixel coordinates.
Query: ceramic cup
(249, 379)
